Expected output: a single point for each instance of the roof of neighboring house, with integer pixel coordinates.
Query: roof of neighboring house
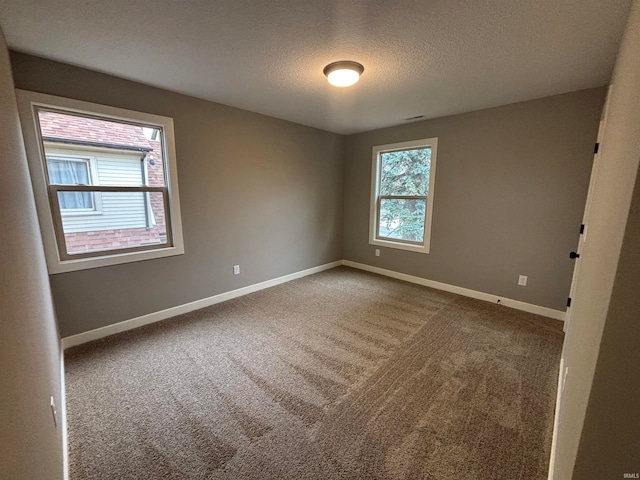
(65, 128)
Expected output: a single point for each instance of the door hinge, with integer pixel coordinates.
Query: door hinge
(581, 229)
(596, 148)
(568, 302)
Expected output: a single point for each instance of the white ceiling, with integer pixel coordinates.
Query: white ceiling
(421, 57)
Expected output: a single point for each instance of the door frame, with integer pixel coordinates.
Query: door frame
(584, 229)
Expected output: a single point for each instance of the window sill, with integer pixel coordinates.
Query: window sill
(399, 245)
(112, 259)
(80, 213)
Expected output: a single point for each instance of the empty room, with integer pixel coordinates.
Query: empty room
(320, 240)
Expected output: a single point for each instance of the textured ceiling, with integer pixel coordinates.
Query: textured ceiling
(428, 57)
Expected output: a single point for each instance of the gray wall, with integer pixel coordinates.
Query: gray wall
(510, 191)
(30, 444)
(254, 190)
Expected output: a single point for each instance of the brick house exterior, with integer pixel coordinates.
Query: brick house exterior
(59, 130)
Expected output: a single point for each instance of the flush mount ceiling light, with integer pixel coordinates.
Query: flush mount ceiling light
(344, 73)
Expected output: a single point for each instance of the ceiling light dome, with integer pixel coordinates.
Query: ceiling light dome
(343, 73)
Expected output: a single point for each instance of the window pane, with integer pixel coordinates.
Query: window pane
(119, 153)
(402, 219)
(405, 172)
(68, 172)
(126, 220)
(71, 172)
(76, 201)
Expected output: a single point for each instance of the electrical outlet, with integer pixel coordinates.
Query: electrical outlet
(377, 252)
(54, 413)
(236, 269)
(522, 280)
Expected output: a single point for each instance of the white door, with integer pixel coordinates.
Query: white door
(584, 228)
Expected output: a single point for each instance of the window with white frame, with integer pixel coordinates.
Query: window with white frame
(402, 192)
(105, 181)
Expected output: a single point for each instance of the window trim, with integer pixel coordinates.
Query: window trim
(377, 151)
(28, 102)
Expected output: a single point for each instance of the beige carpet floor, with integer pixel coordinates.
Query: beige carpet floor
(339, 375)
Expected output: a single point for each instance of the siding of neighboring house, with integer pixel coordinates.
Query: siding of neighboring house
(120, 219)
(111, 210)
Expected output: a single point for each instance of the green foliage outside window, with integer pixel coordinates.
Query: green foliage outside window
(404, 173)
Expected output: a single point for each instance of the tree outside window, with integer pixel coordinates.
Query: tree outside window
(402, 195)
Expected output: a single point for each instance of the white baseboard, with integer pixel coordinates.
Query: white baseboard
(125, 325)
(62, 408)
(556, 421)
(508, 302)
